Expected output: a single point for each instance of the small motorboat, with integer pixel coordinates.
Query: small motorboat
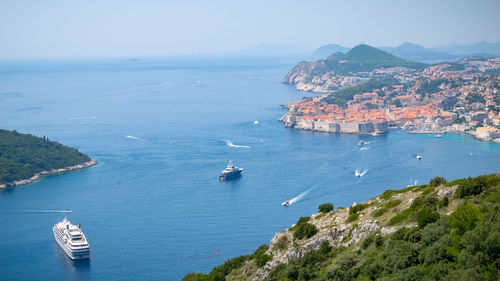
(419, 157)
(439, 136)
(361, 142)
(286, 203)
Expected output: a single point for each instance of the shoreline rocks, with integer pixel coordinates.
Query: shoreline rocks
(37, 176)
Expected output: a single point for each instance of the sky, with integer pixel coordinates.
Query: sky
(122, 28)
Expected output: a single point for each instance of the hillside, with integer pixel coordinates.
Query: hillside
(341, 70)
(439, 231)
(364, 58)
(24, 156)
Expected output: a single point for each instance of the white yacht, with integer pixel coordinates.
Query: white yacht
(72, 240)
(230, 172)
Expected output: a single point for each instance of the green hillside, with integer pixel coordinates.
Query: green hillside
(440, 231)
(362, 58)
(23, 155)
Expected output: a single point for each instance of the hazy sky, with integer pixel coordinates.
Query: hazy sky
(85, 28)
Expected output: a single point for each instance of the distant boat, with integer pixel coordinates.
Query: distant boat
(286, 203)
(230, 172)
(439, 136)
(363, 148)
(359, 173)
(419, 157)
(172, 142)
(361, 142)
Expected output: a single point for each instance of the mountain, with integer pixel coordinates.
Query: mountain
(437, 231)
(24, 158)
(483, 47)
(414, 52)
(368, 58)
(326, 50)
(361, 58)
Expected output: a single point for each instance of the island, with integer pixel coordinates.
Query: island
(25, 158)
(369, 91)
(438, 231)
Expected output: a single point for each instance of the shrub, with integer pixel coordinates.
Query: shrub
(471, 186)
(380, 212)
(303, 220)
(325, 208)
(437, 181)
(426, 216)
(399, 218)
(282, 242)
(305, 230)
(368, 241)
(465, 218)
(444, 202)
(379, 240)
(263, 259)
(352, 217)
(392, 203)
(357, 208)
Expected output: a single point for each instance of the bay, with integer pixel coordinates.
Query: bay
(159, 128)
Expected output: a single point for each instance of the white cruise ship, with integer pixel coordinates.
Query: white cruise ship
(72, 240)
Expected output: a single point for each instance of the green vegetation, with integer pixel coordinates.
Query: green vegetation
(471, 186)
(341, 97)
(429, 245)
(303, 229)
(437, 181)
(24, 155)
(364, 58)
(475, 97)
(432, 86)
(218, 273)
(325, 208)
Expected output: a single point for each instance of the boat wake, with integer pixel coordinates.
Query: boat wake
(299, 197)
(83, 118)
(45, 211)
(231, 144)
(133, 137)
(359, 173)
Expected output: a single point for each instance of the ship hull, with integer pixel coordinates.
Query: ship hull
(229, 176)
(72, 254)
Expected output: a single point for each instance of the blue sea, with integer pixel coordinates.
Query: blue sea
(153, 210)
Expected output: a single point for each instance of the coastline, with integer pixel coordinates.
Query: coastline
(359, 128)
(45, 173)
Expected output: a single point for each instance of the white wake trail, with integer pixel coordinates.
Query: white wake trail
(83, 118)
(359, 173)
(45, 211)
(231, 144)
(299, 197)
(133, 137)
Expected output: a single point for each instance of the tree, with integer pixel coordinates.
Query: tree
(426, 216)
(437, 181)
(325, 208)
(465, 218)
(471, 186)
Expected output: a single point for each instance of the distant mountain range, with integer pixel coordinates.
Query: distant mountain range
(414, 52)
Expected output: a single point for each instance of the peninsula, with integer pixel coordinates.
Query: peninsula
(25, 158)
(369, 91)
(437, 231)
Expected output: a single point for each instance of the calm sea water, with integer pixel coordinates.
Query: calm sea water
(150, 204)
